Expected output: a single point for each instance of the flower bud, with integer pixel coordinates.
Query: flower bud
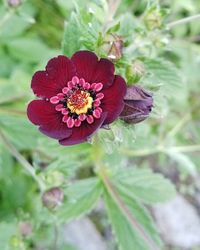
(52, 197)
(153, 19)
(14, 3)
(135, 71)
(138, 105)
(116, 47)
(25, 228)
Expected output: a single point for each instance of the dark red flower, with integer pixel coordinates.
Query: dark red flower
(138, 104)
(78, 95)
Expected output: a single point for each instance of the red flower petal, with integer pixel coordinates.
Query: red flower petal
(81, 134)
(59, 71)
(92, 70)
(113, 99)
(104, 72)
(43, 113)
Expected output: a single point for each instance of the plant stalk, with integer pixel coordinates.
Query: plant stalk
(183, 21)
(27, 166)
(160, 149)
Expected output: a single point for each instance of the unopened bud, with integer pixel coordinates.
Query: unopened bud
(116, 47)
(153, 19)
(135, 72)
(138, 105)
(16, 243)
(25, 228)
(14, 3)
(53, 198)
(54, 178)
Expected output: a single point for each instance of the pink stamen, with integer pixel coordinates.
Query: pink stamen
(100, 96)
(86, 85)
(65, 118)
(98, 87)
(100, 109)
(93, 85)
(70, 85)
(65, 111)
(90, 119)
(60, 96)
(97, 102)
(77, 123)
(70, 122)
(96, 113)
(59, 107)
(82, 117)
(81, 82)
(75, 80)
(54, 100)
(65, 90)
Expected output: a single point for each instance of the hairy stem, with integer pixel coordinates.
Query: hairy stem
(6, 17)
(160, 149)
(179, 125)
(119, 202)
(27, 166)
(55, 242)
(183, 21)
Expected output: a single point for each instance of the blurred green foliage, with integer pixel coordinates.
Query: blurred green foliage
(30, 35)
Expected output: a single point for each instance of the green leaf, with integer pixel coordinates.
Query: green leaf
(29, 49)
(126, 232)
(19, 131)
(144, 185)
(82, 31)
(164, 74)
(71, 40)
(81, 197)
(7, 230)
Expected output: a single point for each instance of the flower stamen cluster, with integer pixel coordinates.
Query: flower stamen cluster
(79, 101)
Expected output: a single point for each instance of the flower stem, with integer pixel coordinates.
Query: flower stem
(119, 202)
(160, 149)
(27, 166)
(6, 17)
(183, 21)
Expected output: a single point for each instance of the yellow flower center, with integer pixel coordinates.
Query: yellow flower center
(79, 102)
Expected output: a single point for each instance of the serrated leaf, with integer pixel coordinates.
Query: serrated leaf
(82, 31)
(81, 197)
(144, 185)
(164, 74)
(71, 40)
(127, 235)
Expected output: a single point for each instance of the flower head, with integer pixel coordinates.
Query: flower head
(138, 104)
(53, 197)
(77, 95)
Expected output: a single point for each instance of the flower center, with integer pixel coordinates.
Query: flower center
(80, 102)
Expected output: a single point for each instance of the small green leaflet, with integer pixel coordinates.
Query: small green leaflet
(81, 197)
(71, 41)
(144, 185)
(164, 73)
(82, 31)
